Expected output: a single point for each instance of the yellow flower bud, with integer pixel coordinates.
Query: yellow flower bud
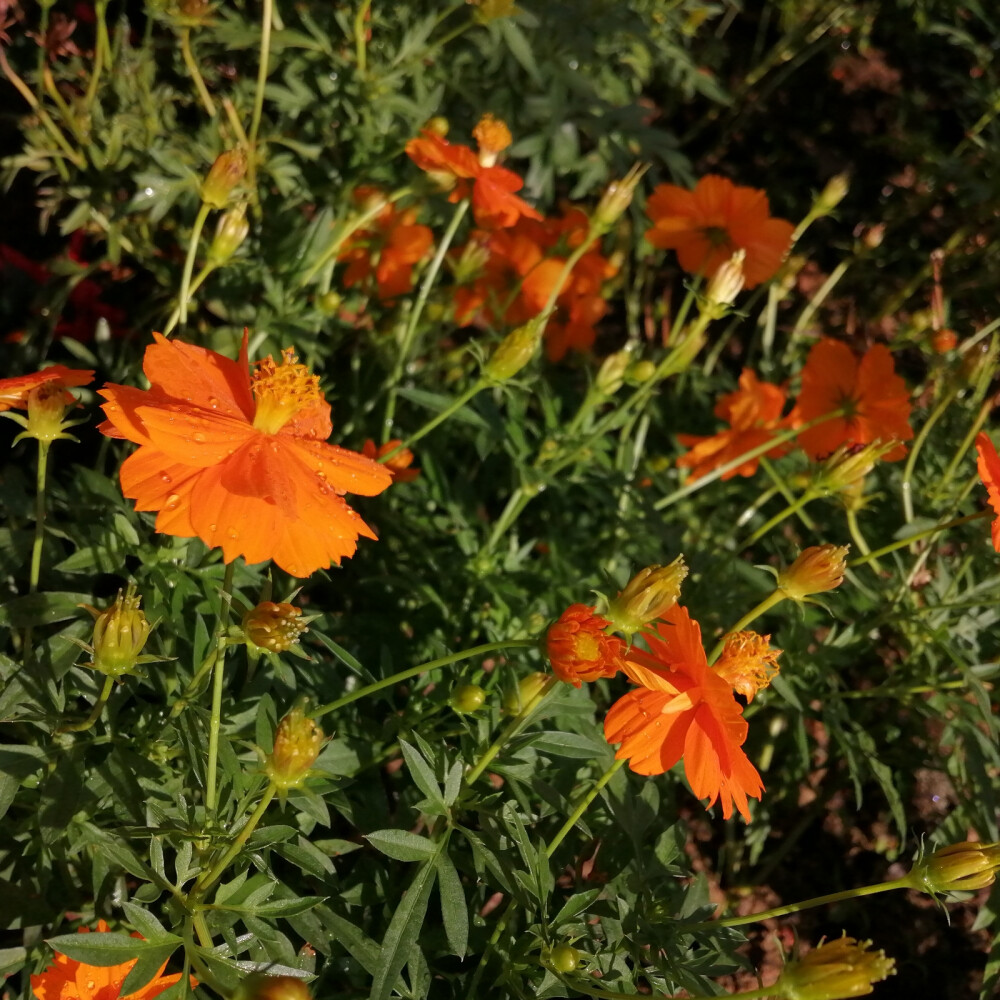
(847, 466)
(957, 868)
(818, 568)
(835, 970)
(526, 691)
(494, 10)
(616, 199)
(230, 232)
(563, 958)
(228, 170)
(120, 632)
(467, 698)
(262, 987)
(649, 595)
(297, 744)
(46, 413)
(611, 374)
(725, 285)
(513, 353)
(832, 195)
(273, 627)
(642, 371)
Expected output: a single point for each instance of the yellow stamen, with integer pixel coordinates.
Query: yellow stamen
(282, 391)
(493, 137)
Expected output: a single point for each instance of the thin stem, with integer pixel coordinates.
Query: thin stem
(196, 78)
(518, 500)
(949, 472)
(267, 15)
(792, 508)
(199, 224)
(208, 880)
(784, 489)
(194, 684)
(201, 929)
(197, 282)
(511, 729)
(809, 310)
(215, 723)
(36, 546)
(53, 91)
(926, 533)
(775, 597)
(360, 42)
(781, 911)
(440, 418)
(95, 712)
(404, 675)
(859, 539)
(694, 485)
(911, 459)
(582, 806)
(402, 355)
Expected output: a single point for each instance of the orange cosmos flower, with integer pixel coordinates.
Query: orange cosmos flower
(388, 250)
(494, 204)
(240, 461)
(398, 465)
(753, 413)
(67, 979)
(15, 392)
(989, 472)
(683, 709)
(708, 225)
(580, 648)
(748, 664)
(875, 397)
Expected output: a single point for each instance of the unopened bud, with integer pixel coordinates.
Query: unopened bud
(494, 10)
(262, 987)
(611, 374)
(616, 198)
(228, 170)
(563, 958)
(872, 236)
(120, 632)
(513, 353)
(467, 698)
(849, 465)
(46, 413)
(725, 285)
(273, 627)
(297, 744)
(832, 195)
(944, 340)
(528, 688)
(649, 595)
(230, 232)
(818, 568)
(835, 970)
(438, 126)
(642, 371)
(957, 868)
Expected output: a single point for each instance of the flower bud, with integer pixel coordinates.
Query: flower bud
(230, 232)
(513, 353)
(438, 126)
(835, 970)
(494, 10)
(467, 698)
(297, 744)
(46, 412)
(832, 195)
(563, 958)
(273, 627)
(616, 199)
(527, 690)
(120, 632)
(611, 374)
(642, 371)
(957, 868)
(262, 987)
(649, 595)
(725, 285)
(228, 170)
(944, 340)
(818, 568)
(849, 465)
(580, 648)
(329, 303)
(493, 138)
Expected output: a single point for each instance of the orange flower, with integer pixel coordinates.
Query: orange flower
(753, 413)
(748, 664)
(683, 709)
(989, 472)
(68, 979)
(494, 204)
(875, 397)
(708, 225)
(240, 461)
(389, 250)
(398, 465)
(14, 392)
(580, 649)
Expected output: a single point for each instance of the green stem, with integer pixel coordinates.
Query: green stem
(215, 723)
(889, 691)
(201, 929)
(95, 712)
(406, 343)
(792, 508)
(809, 310)
(404, 675)
(781, 911)
(267, 16)
(926, 533)
(977, 424)
(199, 280)
(693, 486)
(36, 546)
(784, 489)
(775, 597)
(511, 729)
(360, 43)
(516, 503)
(440, 418)
(199, 224)
(194, 684)
(582, 806)
(859, 539)
(911, 459)
(196, 78)
(206, 882)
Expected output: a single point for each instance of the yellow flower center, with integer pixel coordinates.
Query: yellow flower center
(282, 391)
(493, 137)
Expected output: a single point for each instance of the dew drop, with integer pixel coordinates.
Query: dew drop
(213, 402)
(172, 501)
(165, 478)
(233, 534)
(198, 436)
(212, 527)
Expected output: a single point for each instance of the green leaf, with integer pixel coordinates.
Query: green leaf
(403, 931)
(576, 904)
(41, 609)
(147, 925)
(454, 909)
(146, 969)
(110, 948)
(423, 776)
(402, 845)
(437, 403)
(572, 745)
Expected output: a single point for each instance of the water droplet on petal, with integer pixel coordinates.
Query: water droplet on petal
(165, 478)
(212, 527)
(198, 436)
(172, 501)
(233, 534)
(213, 402)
